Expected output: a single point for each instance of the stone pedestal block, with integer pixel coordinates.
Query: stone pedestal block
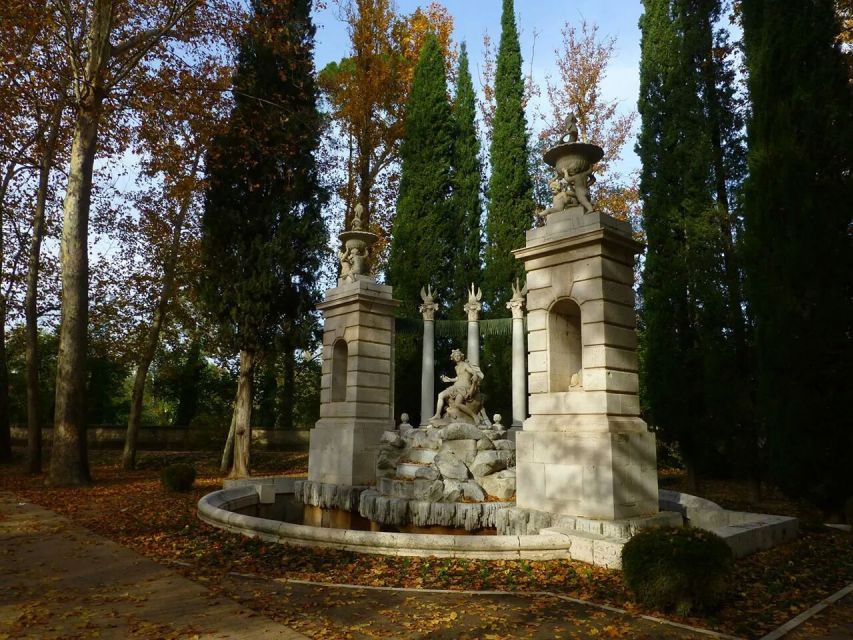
(602, 475)
(343, 451)
(357, 385)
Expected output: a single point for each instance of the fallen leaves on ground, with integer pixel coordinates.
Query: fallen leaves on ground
(131, 508)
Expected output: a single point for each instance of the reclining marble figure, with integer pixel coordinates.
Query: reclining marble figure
(461, 401)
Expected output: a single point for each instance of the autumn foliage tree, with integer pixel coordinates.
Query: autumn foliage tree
(175, 138)
(33, 81)
(263, 234)
(105, 43)
(368, 91)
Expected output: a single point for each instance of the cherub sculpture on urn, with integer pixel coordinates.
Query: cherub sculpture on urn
(356, 245)
(573, 162)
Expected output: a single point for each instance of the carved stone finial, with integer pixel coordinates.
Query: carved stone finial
(473, 306)
(516, 303)
(571, 128)
(357, 224)
(574, 163)
(429, 307)
(356, 246)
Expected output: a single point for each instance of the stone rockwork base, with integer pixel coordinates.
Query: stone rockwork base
(402, 512)
(587, 474)
(328, 496)
(455, 462)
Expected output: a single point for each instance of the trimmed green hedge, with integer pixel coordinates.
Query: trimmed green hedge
(178, 477)
(684, 569)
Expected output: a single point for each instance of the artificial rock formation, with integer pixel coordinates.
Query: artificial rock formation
(442, 476)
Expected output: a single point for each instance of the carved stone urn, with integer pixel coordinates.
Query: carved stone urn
(573, 157)
(573, 162)
(357, 245)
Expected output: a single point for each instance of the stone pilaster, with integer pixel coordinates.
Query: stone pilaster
(357, 387)
(428, 309)
(519, 356)
(472, 308)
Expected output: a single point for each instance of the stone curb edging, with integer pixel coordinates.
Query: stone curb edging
(215, 509)
(793, 623)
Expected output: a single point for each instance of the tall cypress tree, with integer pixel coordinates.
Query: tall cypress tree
(510, 208)
(797, 228)
(422, 244)
(425, 239)
(263, 235)
(685, 303)
(467, 179)
(510, 193)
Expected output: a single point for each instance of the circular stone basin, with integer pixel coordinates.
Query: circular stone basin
(221, 509)
(596, 542)
(560, 154)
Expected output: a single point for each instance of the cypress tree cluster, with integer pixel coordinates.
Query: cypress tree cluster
(428, 239)
(798, 244)
(424, 245)
(695, 388)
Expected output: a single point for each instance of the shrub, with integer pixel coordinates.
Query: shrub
(178, 477)
(673, 568)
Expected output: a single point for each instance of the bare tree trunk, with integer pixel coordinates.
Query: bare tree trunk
(128, 458)
(693, 481)
(243, 416)
(34, 440)
(228, 451)
(748, 438)
(69, 460)
(69, 464)
(5, 427)
(285, 392)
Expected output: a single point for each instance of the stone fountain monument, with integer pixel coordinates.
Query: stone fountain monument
(582, 469)
(584, 452)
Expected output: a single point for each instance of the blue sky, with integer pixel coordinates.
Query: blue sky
(472, 18)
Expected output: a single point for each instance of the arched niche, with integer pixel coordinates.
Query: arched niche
(565, 357)
(340, 353)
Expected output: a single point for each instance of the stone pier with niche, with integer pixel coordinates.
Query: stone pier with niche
(357, 385)
(584, 452)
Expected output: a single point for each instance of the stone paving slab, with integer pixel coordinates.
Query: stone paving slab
(59, 580)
